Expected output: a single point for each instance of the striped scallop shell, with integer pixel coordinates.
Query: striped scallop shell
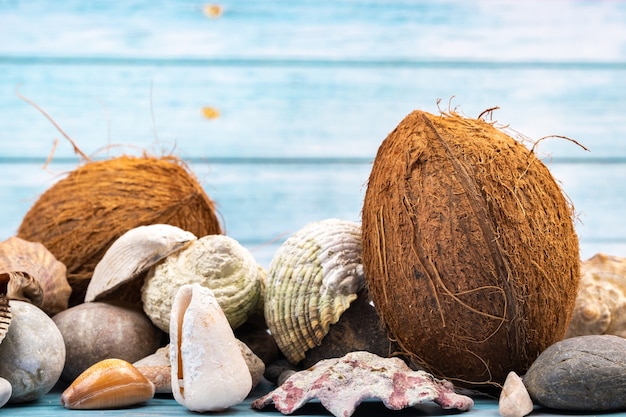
(314, 276)
(32, 273)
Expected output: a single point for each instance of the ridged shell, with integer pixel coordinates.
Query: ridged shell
(33, 274)
(600, 306)
(217, 262)
(134, 253)
(313, 277)
(111, 383)
(5, 316)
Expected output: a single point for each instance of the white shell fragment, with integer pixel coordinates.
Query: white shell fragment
(514, 399)
(132, 254)
(314, 276)
(217, 262)
(341, 384)
(209, 372)
(601, 301)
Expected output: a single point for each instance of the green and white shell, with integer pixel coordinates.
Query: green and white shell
(312, 279)
(217, 262)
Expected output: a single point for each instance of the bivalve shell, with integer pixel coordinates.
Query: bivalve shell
(132, 254)
(111, 383)
(314, 276)
(217, 262)
(33, 274)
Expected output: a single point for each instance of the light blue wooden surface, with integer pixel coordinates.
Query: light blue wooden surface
(306, 93)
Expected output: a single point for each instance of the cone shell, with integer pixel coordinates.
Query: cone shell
(600, 306)
(134, 253)
(209, 372)
(313, 277)
(111, 383)
(5, 316)
(217, 262)
(33, 274)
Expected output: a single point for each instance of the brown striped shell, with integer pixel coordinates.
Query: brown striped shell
(5, 316)
(314, 276)
(31, 273)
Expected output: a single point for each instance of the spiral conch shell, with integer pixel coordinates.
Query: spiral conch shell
(217, 262)
(209, 372)
(134, 253)
(314, 276)
(601, 301)
(32, 273)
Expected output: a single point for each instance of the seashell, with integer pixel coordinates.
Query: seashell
(600, 306)
(209, 372)
(314, 276)
(33, 274)
(111, 383)
(5, 316)
(132, 254)
(98, 330)
(32, 354)
(5, 391)
(217, 262)
(156, 367)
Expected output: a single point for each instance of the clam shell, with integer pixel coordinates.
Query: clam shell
(111, 383)
(217, 262)
(314, 276)
(132, 254)
(5, 316)
(33, 274)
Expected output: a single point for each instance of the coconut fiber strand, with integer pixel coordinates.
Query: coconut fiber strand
(80, 216)
(469, 248)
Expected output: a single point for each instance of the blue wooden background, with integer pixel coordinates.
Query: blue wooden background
(306, 91)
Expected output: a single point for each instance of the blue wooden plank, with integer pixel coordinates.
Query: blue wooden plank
(486, 30)
(297, 111)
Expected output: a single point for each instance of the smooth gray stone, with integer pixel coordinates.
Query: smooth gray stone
(585, 373)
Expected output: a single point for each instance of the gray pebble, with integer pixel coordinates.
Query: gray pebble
(582, 374)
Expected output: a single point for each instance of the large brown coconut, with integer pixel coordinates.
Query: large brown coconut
(80, 216)
(469, 248)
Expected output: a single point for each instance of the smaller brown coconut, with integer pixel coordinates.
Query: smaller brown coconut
(80, 216)
(469, 248)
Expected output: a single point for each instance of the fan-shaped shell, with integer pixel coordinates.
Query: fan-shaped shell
(217, 262)
(33, 274)
(134, 253)
(313, 277)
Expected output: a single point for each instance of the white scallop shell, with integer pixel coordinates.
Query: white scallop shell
(134, 253)
(314, 276)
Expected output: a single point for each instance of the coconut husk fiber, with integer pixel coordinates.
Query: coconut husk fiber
(469, 249)
(80, 216)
